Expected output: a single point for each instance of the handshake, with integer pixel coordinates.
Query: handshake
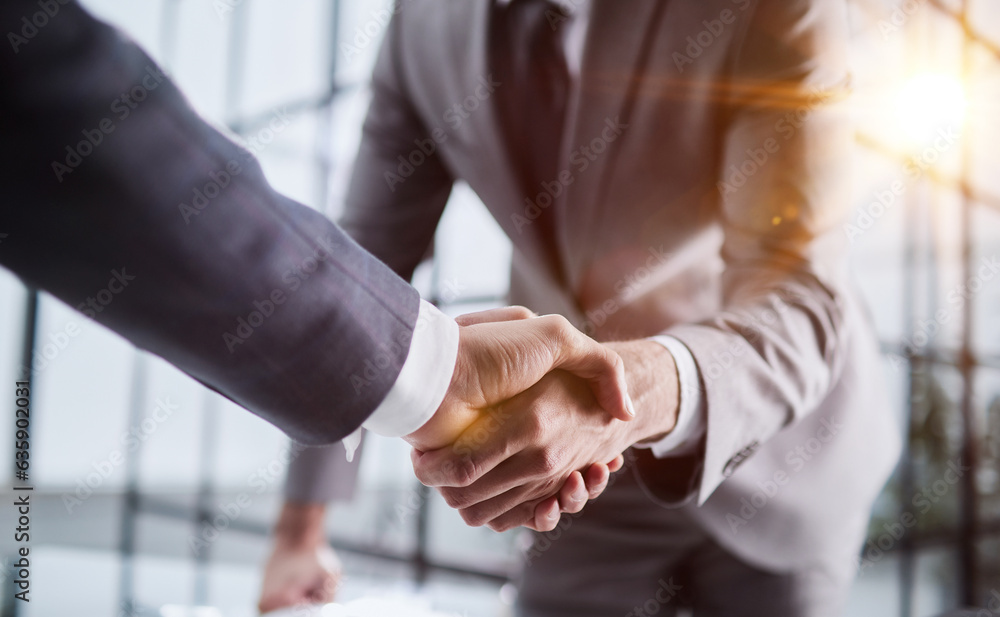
(535, 419)
(534, 422)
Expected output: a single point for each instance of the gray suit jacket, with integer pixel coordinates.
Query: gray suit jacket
(706, 170)
(148, 220)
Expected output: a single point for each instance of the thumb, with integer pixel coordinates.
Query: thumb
(507, 313)
(581, 355)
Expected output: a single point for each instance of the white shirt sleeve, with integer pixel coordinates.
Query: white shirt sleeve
(691, 420)
(422, 382)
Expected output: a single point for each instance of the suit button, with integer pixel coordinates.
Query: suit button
(738, 458)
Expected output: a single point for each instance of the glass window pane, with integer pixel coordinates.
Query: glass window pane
(936, 582)
(287, 53)
(168, 422)
(80, 400)
(472, 252)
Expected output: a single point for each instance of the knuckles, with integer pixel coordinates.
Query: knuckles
(474, 517)
(463, 471)
(457, 498)
(534, 425)
(458, 472)
(549, 461)
(559, 328)
(501, 526)
(520, 312)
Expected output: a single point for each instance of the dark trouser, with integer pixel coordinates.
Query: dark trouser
(624, 556)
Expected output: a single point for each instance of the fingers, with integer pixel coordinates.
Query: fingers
(616, 464)
(574, 493)
(507, 313)
(511, 510)
(481, 448)
(280, 598)
(595, 479)
(546, 515)
(571, 499)
(508, 475)
(326, 590)
(504, 505)
(524, 515)
(583, 356)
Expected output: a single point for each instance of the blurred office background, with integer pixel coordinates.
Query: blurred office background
(181, 520)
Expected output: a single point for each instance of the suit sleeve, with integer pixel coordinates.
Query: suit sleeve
(397, 190)
(120, 201)
(319, 475)
(777, 348)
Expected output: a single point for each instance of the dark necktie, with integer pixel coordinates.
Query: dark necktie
(527, 55)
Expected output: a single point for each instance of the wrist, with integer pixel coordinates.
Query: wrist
(300, 525)
(454, 414)
(654, 387)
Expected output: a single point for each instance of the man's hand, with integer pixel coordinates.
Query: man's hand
(505, 468)
(302, 568)
(502, 353)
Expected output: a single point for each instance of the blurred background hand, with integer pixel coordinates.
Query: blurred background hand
(302, 567)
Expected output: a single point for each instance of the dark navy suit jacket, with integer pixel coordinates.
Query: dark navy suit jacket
(120, 201)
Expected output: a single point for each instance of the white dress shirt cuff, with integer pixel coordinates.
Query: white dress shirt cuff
(691, 421)
(422, 382)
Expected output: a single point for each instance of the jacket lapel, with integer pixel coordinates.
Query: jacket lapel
(493, 176)
(618, 37)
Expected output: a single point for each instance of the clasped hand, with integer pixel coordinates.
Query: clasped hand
(533, 424)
